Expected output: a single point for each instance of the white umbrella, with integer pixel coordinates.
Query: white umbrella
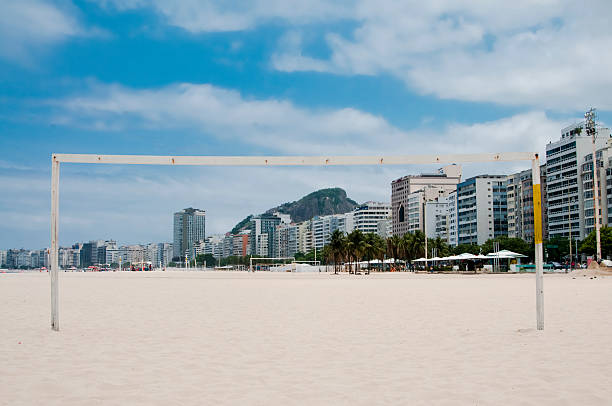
(505, 254)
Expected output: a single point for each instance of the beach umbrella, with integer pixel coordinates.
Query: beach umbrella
(506, 254)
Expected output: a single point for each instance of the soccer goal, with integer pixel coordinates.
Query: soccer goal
(57, 159)
(306, 266)
(275, 264)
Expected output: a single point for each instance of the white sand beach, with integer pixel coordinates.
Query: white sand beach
(215, 338)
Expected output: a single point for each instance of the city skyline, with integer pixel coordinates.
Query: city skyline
(142, 78)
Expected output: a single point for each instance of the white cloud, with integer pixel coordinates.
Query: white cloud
(207, 15)
(281, 127)
(135, 203)
(29, 26)
(548, 54)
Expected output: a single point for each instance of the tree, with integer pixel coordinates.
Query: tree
(588, 245)
(440, 245)
(413, 245)
(356, 246)
(469, 248)
(327, 255)
(207, 259)
(517, 245)
(393, 247)
(557, 248)
(373, 246)
(337, 244)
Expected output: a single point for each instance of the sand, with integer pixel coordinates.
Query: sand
(215, 338)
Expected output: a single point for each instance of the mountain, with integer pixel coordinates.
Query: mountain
(319, 203)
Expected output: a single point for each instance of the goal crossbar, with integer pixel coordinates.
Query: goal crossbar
(293, 160)
(56, 159)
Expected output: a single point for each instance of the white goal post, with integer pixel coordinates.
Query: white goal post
(56, 159)
(257, 259)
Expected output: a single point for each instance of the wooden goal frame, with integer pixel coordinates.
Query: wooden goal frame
(57, 159)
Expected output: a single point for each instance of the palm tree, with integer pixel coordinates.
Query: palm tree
(356, 246)
(418, 244)
(327, 255)
(337, 244)
(393, 247)
(372, 246)
(440, 245)
(413, 245)
(380, 248)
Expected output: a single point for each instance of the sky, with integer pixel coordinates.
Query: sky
(273, 77)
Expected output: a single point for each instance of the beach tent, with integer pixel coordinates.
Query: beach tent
(505, 254)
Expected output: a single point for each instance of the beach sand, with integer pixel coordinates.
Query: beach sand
(214, 338)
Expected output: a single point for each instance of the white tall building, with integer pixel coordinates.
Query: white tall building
(286, 240)
(481, 209)
(566, 180)
(436, 218)
(453, 231)
(520, 204)
(305, 240)
(445, 181)
(412, 213)
(323, 226)
(367, 215)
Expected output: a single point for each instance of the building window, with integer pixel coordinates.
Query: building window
(401, 214)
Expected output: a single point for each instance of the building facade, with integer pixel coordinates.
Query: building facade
(286, 240)
(367, 216)
(481, 209)
(566, 178)
(189, 227)
(445, 181)
(520, 204)
(436, 218)
(262, 234)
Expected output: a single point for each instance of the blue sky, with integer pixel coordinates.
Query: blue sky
(200, 77)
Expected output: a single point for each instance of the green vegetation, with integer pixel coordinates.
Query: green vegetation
(587, 246)
(241, 225)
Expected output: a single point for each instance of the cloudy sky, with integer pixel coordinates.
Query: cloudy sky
(274, 77)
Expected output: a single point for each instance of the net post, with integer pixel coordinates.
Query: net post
(53, 254)
(537, 239)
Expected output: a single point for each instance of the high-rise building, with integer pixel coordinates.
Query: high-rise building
(305, 238)
(165, 253)
(604, 158)
(323, 226)
(240, 244)
(567, 175)
(482, 211)
(520, 204)
(436, 219)
(286, 240)
(262, 229)
(453, 232)
(2, 258)
(189, 227)
(445, 181)
(412, 214)
(367, 215)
